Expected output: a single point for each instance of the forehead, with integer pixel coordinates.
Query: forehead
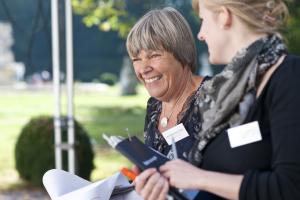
(202, 8)
(146, 52)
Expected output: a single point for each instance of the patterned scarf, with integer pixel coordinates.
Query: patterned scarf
(226, 99)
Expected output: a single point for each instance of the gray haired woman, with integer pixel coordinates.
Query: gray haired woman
(162, 49)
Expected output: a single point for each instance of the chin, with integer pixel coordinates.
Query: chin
(213, 61)
(216, 61)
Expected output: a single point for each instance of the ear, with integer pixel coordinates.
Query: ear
(225, 18)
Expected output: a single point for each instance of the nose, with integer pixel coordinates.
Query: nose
(200, 36)
(143, 67)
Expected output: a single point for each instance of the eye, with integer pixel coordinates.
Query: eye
(155, 55)
(135, 59)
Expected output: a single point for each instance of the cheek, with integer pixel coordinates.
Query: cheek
(137, 73)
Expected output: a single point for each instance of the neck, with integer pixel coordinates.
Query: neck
(186, 85)
(241, 37)
(170, 109)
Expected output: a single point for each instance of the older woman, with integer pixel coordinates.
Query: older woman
(163, 52)
(247, 145)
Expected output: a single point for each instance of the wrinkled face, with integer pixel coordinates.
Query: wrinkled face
(159, 72)
(212, 34)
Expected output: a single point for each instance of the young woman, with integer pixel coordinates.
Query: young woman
(258, 89)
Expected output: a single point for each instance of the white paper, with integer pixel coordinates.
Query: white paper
(177, 132)
(244, 134)
(62, 185)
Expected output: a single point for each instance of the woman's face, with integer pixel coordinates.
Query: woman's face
(212, 34)
(159, 72)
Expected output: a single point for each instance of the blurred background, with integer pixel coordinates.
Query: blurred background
(107, 96)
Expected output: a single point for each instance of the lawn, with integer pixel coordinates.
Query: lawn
(99, 112)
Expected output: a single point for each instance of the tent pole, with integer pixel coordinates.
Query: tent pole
(70, 96)
(56, 82)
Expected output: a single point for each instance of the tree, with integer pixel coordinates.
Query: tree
(115, 15)
(120, 15)
(108, 15)
(292, 31)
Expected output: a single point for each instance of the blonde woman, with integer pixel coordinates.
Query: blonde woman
(247, 147)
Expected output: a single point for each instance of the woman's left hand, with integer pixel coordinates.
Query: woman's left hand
(181, 174)
(151, 185)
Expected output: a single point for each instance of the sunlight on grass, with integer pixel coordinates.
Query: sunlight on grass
(104, 165)
(98, 112)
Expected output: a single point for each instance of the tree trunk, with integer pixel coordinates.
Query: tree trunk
(128, 80)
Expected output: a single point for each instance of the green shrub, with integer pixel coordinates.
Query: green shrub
(34, 151)
(108, 78)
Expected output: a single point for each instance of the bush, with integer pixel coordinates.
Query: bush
(108, 78)
(34, 151)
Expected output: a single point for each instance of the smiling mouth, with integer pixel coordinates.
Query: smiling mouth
(151, 80)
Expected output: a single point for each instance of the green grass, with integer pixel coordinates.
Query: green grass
(99, 112)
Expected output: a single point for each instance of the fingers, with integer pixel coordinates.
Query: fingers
(158, 187)
(135, 169)
(164, 191)
(141, 179)
(169, 165)
(151, 185)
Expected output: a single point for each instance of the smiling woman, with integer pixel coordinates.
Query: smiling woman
(245, 148)
(163, 53)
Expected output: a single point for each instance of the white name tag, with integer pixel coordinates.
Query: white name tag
(244, 134)
(177, 132)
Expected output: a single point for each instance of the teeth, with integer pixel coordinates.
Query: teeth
(150, 80)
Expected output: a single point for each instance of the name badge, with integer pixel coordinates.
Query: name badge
(244, 134)
(177, 132)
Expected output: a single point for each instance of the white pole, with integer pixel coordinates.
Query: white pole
(69, 58)
(56, 83)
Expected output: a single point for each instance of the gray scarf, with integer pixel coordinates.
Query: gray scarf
(226, 99)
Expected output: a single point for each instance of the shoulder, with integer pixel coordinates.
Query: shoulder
(152, 101)
(287, 74)
(197, 92)
(285, 81)
(152, 104)
(290, 67)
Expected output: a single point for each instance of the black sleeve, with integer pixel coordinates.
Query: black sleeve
(282, 182)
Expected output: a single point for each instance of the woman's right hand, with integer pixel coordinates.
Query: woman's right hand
(151, 185)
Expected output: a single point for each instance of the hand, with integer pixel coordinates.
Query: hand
(181, 174)
(136, 170)
(151, 185)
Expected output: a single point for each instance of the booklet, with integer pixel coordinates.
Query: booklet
(142, 156)
(62, 185)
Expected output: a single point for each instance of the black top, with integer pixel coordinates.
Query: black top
(271, 167)
(190, 118)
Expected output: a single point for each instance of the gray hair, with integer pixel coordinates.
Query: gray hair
(164, 29)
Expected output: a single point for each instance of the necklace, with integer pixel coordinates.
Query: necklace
(164, 120)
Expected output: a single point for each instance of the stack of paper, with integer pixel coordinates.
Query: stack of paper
(62, 185)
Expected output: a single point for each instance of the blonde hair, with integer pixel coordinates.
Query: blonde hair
(164, 29)
(262, 16)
